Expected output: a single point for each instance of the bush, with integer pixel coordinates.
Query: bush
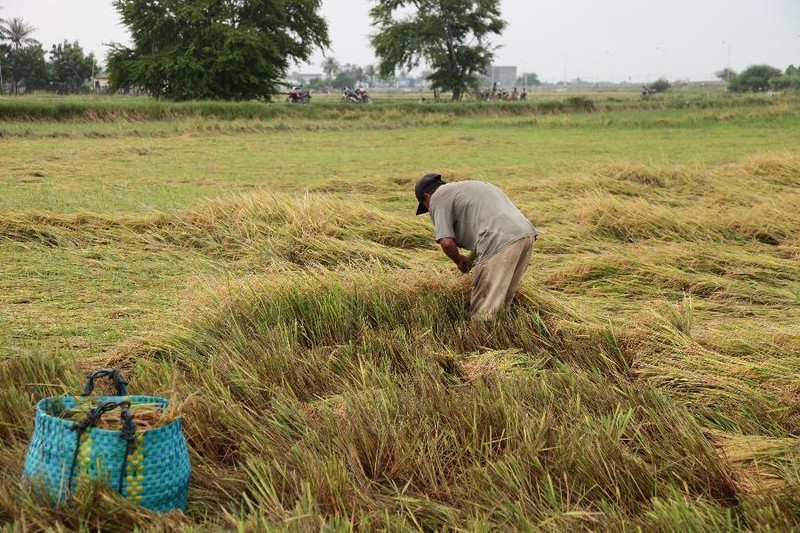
(580, 103)
(755, 78)
(781, 83)
(661, 85)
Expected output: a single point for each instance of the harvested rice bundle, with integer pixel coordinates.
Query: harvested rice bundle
(145, 416)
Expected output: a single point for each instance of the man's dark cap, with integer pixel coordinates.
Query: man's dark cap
(426, 185)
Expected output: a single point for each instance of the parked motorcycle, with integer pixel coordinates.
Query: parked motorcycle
(499, 93)
(298, 96)
(355, 96)
(362, 92)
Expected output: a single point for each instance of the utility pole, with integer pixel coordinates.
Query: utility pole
(663, 61)
(611, 75)
(525, 69)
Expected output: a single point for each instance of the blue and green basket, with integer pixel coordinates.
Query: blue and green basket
(150, 468)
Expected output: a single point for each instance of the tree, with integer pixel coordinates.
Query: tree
(71, 68)
(451, 36)
(5, 55)
(369, 72)
(725, 74)
(754, 78)
(30, 68)
(789, 80)
(317, 84)
(349, 76)
(330, 67)
(214, 49)
(661, 85)
(528, 79)
(18, 33)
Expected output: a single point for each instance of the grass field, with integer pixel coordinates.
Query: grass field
(261, 265)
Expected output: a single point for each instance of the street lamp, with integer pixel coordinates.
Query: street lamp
(663, 60)
(525, 70)
(728, 71)
(611, 59)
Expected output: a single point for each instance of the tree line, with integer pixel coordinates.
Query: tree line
(761, 78)
(26, 66)
(239, 50)
(242, 49)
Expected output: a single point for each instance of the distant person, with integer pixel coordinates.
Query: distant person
(479, 217)
(514, 93)
(524, 94)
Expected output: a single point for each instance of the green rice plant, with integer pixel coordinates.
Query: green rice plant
(681, 315)
(681, 514)
(368, 413)
(580, 103)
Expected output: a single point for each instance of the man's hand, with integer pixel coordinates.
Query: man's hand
(450, 248)
(465, 264)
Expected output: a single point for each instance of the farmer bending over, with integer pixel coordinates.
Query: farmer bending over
(479, 217)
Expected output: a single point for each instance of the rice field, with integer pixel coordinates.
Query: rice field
(260, 264)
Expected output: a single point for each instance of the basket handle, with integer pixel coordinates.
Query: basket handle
(114, 374)
(94, 415)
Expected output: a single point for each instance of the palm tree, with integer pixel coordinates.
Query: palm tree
(330, 67)
(18, 32)
(2, 38)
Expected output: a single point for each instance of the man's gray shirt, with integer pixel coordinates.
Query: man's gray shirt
(478, 216)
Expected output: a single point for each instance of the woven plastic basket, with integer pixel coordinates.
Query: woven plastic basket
(150, 468)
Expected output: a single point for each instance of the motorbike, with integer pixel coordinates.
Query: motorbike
(355, 96)
(298, 96)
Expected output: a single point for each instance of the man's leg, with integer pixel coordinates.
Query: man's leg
(522, 265)
(493, 278)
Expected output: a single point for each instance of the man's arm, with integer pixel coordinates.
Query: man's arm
(450, 248)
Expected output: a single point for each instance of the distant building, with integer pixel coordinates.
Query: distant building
(304, 79)
(100, 83)
(503, 76)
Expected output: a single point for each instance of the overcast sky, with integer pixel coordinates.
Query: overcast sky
(639, 40)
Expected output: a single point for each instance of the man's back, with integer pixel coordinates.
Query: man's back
(479, 216)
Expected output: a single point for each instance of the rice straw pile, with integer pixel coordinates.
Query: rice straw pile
(146, 416)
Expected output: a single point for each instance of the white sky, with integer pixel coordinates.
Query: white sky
(639, 40)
